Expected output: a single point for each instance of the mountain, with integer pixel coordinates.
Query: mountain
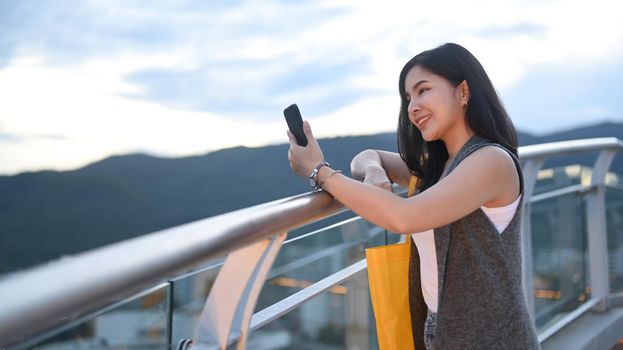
(45, 215)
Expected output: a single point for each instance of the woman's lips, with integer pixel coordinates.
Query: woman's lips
(422, 122)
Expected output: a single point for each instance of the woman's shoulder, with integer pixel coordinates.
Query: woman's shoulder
(493, 158)
(495, 152)
(500, 166)
(481, 145)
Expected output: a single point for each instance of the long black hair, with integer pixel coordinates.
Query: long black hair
(485, 114)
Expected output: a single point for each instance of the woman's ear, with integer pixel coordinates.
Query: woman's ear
(464, 92)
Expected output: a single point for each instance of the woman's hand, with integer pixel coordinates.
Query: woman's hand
(304, 159)
(376, 176)
(367, 167)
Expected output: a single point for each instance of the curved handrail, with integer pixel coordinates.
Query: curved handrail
(41, 298)
(561, 148)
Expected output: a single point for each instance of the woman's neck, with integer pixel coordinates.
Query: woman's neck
(455, 139)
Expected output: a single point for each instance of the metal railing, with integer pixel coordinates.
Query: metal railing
(33, 301)
(127, 268)
(533, 158)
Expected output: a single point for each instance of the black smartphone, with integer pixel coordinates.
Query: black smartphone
(295, 123)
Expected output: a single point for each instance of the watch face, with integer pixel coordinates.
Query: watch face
(312, 182)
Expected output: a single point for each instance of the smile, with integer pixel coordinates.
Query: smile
(423, 120)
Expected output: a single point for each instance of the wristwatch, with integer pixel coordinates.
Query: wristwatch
(312, 180)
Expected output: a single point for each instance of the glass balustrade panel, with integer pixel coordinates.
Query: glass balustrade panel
(549, 179)
(559, 253)
(308, 259)
(614, 226)
(189, 296)
(138, 323)
(302, 261)
(340, 318)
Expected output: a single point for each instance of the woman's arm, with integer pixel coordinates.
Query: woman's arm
(486, 175)
(375, 167)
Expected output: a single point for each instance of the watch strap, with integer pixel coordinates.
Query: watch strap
(314, 175)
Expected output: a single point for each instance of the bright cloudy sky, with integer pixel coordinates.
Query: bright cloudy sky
(82, 80)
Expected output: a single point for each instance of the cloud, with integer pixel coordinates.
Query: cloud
(255, 89)
(13, 138)
(76, 31)
(177, 78)
(558, 96)
(239, 59)
(508, 32)
(53, 137)
(4, 137)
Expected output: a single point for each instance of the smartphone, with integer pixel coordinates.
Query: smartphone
(295, 123)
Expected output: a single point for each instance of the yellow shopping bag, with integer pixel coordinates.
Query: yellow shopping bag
(388, 275)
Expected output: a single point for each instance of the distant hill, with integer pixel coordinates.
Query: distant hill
(48, 214)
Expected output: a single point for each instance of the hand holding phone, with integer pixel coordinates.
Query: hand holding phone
(295, 123)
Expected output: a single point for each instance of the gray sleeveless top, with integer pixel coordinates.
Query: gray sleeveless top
(482, 304)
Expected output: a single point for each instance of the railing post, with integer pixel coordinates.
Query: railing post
(229, 307)
(530, 171)
(597, 233)
(170, 310)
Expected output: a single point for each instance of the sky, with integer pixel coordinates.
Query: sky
(84, 80)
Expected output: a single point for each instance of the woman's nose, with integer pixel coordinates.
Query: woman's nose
(412, 108)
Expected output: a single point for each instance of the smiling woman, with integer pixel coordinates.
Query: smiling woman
(458, 143)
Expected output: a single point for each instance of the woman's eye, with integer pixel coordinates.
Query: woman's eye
(422, 90)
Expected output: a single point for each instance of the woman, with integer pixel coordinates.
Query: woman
(456, 139)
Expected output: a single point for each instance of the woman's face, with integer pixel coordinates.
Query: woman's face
(436, 107)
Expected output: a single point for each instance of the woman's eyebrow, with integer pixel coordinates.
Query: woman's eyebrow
(418, 84)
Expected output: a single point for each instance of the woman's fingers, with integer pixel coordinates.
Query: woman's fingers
(291, 138)
(304, 159)
(308, 131)
(294, 154)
